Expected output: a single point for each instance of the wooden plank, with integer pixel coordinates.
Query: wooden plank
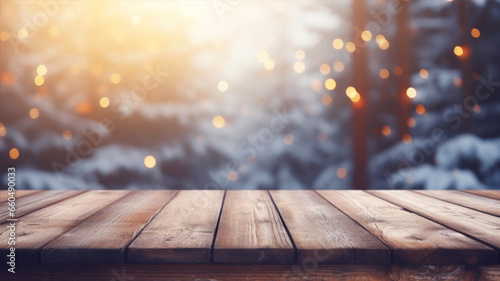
(477, 202)
(18, 194)
(322, 234)
(481, 226)
(37, 201)
(103, 237)
(35, 230)
(495, 194)
(412, 238)
(250, 230)
(182, 232)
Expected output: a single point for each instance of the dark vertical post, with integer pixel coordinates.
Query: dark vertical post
(465, 58)
(403, 60)
(360, 108)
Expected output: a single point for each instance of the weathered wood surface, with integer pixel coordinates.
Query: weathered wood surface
(469, 200)
(18, 194)
(104, 236)
(412, 238)
(182, 232)
(486, 193)
(251, 231)
(481, 226)
(323, 234)
(40, 227)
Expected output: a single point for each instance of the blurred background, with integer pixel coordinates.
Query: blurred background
(365, 94)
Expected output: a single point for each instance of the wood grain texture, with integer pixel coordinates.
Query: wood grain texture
(104, 236)
(250, 230)
(495, 194)
(40, 227)
(481, 226)
(412, 238)
(37, 201)
(19, 193)
(182, 232)
(477, 202)
(322, 234)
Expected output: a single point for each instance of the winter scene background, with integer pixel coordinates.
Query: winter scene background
(248, 94)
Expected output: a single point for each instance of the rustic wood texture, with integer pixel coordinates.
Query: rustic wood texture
(250, 230)
(28, 204)
(323, 234)
(40, 227)
(477, 202)
(19, 193)
(412, 238)
(481, 226)
(182, 232)
(104, 236)
(486, 193)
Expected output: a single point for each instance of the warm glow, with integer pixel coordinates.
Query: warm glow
(341, 173)
(338, 43)
(83, 107)
(269, 64)
(383, 73)
(475, 33)
(104, 102)
(262, 56)
(326, 100)
(476, 108)
(136, 19)
(397, 70)
(300, 55)
(39, 80)
(324, 69)
(4, 35)
(67, 135)
(232, 175)
(423, 73)
(288, 139)
(218, 122)
(458, 51)
(149, 161)
(22, 33)
(3, 130)
(223, 86)
(407, 139)
(115, 78)
(411, 122)
(382, 42)
(356, 97)
(420, 109)
(350, 92)
(386, 130)
(316, 85)
(34, 113)
(411, 92)
(330, 84)
(350, 47)
(366, 35)
(457, 81)
(41, 70)
(53, 31)
(14, 153)
(338, 66)
(299, 67)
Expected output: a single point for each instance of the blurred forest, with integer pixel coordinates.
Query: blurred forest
(244, 94)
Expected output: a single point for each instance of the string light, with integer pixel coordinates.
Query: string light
(104, 102)
(39, 80)
(476, 108)
(326, 100)
(366, 35)
(149, 161)
(330, 84)
(411, 122)
(67, 135)
(115, 78)
(232, 175)
(458, 51)
(350, 92)
(384, 73)
(397, 70)
(14, 153)
(299, 67)
(350, 47)
(475, 33)
(423, 73)
(411, 92)
(218, 122)
(420, 109)
(34, 113)
(300, 55)
(341, 173)
(407, 139)
(324, 69)
(262, 56)
(338, 66)
(223, 86)
(337, 43)
(22, 33)
(269, 64)
(41, 70)
(386, 130)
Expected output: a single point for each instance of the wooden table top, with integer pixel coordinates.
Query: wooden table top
(255, 227)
